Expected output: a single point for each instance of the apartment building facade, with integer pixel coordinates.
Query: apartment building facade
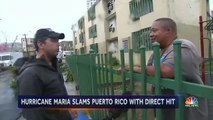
(28, 48)
(90, 3)
(111, 25)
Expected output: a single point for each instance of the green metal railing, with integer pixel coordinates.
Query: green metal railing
(95, 75)
(140, 38)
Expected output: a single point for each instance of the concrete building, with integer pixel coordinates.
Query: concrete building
(90, 3)
(111, 25)
(66, 46)
(28, 48)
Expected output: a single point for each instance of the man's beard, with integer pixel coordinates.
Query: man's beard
(51, 55)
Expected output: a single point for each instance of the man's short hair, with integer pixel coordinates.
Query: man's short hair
(168, 23)
(44, 33)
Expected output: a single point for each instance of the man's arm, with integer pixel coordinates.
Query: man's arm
(29, 83)
(166, 70)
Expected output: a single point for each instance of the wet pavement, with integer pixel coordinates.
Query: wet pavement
(8, 101)
(71, 88)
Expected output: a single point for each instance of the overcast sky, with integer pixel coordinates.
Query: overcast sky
(26, 16)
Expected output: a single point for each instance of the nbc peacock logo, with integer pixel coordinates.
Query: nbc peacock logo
(191, 102)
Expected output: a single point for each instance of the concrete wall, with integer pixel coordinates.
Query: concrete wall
(99, 21)
(185, 13)
(125, 25)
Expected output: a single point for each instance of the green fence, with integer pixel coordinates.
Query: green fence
(95, 75)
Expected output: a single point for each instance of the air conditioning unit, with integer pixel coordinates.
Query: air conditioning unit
(111, 29)
(110, 6)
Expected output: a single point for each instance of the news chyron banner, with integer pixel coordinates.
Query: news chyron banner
(98, 101)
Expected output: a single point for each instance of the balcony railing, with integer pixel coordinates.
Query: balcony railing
(140, 38)
(92, 31)
(91, 13)
(139, 8)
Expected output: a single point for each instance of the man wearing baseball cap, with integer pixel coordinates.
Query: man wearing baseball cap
(41, 76)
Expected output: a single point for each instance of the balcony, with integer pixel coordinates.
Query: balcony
(140, 8)
(111, 30)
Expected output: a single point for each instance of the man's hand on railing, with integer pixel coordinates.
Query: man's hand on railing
(119, 70)
(136, 69)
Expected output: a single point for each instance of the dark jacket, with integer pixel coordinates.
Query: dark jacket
(36, 77)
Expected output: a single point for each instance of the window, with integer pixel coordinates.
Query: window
(75, 42)
(92, 31)
(91, 13)
(139, 8)
(81, 37)
(94, 47)
(113, 46)
(112, 25)
(76, 51)
(7, 57)
(81, 23)
(140, 38)
(82, 50)
(126, 45)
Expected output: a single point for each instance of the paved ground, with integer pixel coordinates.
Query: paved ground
(71, 88)
(8, 102)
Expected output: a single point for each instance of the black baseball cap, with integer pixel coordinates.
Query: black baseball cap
(44, 33)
